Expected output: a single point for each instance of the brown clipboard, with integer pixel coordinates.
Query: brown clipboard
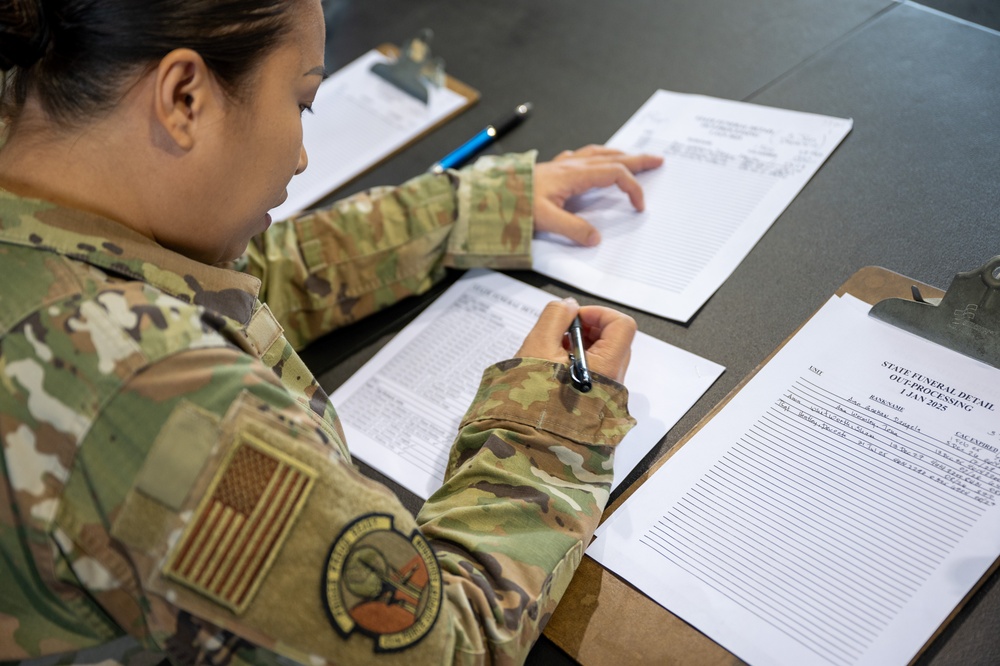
(605, 620)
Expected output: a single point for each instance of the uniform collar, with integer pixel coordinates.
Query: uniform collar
(115, 248)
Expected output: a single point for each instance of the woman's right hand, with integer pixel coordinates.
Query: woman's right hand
(607, 337)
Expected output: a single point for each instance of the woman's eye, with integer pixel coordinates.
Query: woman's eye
(305, 107)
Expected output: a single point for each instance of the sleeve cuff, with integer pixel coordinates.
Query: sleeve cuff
(495, 218)
(539, 394)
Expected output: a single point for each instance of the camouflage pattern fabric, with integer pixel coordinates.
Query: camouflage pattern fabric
(372, 249)
(175, 483)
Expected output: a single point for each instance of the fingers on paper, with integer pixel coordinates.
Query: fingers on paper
(618, 170)
(560, 221)
(593, 150)
(634, 162)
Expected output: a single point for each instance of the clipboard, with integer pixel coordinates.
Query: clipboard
(604, 620)
(338, 157)
(470, 94)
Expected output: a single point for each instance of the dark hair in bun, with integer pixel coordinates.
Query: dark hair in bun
(23, 33)
(75, 55)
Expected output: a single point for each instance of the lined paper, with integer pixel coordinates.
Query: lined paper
(401, 411)
(730, 169)
(836, 510)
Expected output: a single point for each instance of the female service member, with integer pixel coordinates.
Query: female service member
(174, 481)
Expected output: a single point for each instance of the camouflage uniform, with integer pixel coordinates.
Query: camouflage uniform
(176, 483)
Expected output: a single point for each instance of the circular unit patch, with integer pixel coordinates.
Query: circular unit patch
(382, 583)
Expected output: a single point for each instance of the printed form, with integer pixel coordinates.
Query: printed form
(730, 169)
(836, 510)
(359, 120)
(401, 411)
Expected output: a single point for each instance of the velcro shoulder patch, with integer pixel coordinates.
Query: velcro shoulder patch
(238, 528)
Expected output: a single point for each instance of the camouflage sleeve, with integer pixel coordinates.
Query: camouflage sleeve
(240, 535)
(527, 481)
(334, 266)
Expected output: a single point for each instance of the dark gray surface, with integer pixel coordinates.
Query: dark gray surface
(913, 188)
(586, 64)
(982, 12)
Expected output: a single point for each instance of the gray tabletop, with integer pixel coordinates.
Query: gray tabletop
(913, 188)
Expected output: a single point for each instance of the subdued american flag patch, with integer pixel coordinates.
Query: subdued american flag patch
(239, 527)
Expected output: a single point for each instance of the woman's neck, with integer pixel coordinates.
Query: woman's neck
(86, 167)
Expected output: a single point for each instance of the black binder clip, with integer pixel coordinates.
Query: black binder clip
(414, 68)
(966, 319)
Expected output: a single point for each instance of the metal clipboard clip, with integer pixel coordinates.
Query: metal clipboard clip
(966, 319)
(414, 68)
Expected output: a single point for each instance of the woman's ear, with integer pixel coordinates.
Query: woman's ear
(184, 94)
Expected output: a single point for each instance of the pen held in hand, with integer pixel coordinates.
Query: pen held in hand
(483, 138)
(578, 370)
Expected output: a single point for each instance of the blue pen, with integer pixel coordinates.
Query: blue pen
(483, 138)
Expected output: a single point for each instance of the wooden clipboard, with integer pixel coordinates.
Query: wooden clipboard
(605, 620)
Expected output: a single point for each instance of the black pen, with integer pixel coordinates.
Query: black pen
(483, 138)
(578, 370)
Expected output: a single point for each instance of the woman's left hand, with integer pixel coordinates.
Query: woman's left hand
(574, 172)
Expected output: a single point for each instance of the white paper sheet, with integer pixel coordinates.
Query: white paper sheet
(359, 118)
(401, 411)
(836, 510)
(731, 168)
